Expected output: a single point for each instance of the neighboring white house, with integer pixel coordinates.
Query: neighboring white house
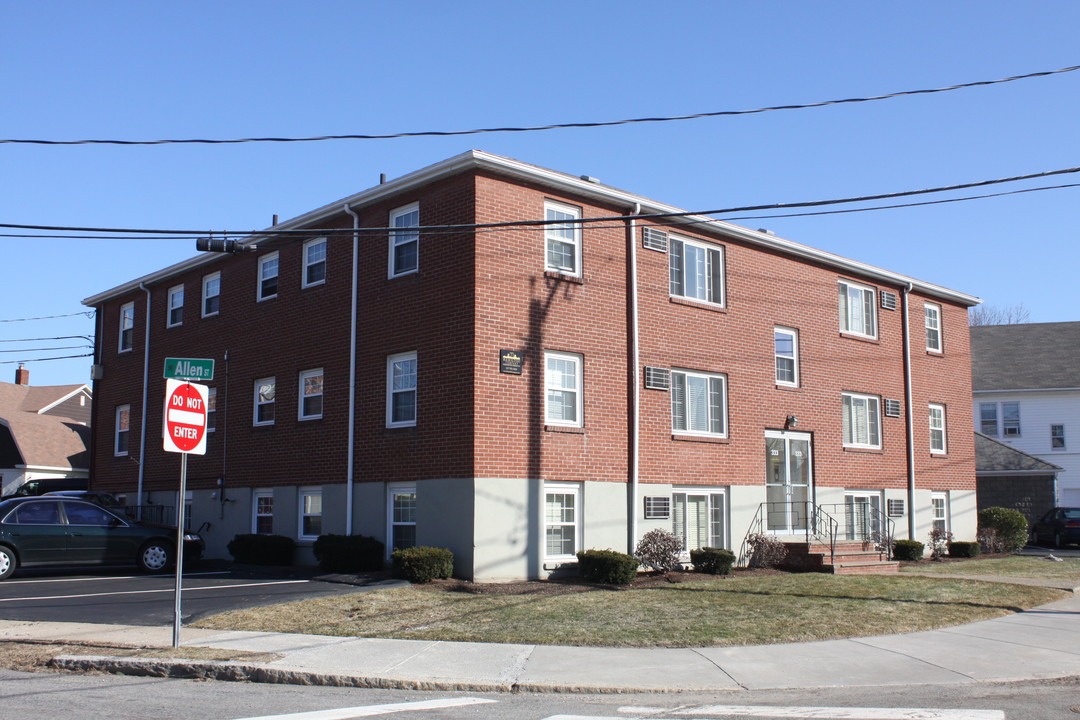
(1026, 386)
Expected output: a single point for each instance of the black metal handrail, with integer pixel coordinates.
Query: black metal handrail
(869, 525)
(807, 519)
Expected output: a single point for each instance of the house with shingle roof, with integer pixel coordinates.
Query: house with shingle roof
(1009, 478)
(44, 432)
(1026, 385)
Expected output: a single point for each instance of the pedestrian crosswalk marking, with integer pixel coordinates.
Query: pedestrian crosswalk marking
(363, 711)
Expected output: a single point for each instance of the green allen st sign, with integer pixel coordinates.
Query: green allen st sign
(189, 369)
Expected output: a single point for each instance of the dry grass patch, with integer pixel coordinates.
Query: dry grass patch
(1007, 566)
(697, 612)
(35, 656)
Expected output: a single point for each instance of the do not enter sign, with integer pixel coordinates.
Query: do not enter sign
(185, 417)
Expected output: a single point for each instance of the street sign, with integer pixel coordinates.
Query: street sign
(185, 417)
(189, 369)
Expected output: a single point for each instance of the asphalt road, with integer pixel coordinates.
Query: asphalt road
(118, 596)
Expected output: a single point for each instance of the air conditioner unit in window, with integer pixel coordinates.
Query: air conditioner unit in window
(888, 300)
(657, 378)
(894, 508)
(892, 408)
(653, 239)
(657, 507)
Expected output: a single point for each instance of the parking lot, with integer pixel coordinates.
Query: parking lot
(119, 596)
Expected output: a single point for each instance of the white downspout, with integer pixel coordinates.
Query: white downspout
(350, 462)
(635, 410)
(909, 413)
(145, 399)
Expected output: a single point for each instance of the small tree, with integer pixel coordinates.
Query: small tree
(939, 543)
(1010, 525)
(995, 315)
(659, 550)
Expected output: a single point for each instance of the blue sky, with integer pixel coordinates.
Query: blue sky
(144, 70)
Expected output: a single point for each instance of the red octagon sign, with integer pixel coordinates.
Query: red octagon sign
(185, 417)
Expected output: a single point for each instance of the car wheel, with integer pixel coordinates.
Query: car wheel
(1057, 541)
(154, 555)
(7, 562)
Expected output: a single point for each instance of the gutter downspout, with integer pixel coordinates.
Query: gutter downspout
(350, 462)
(635, 402)
(910, 425)
(145, 397)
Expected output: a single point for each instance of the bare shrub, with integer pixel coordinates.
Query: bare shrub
(659, 550)
(939, 543)
(766, 551)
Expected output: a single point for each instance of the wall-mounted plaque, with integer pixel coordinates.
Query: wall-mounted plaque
(510, 362)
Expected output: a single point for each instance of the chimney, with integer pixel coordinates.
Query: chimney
(22, 376)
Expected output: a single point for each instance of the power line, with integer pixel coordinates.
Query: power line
(61, 357)
(62, 337)
(50, 349)
(49, 317)
(307, 232)
(535, 128)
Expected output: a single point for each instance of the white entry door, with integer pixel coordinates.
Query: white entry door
(788, 481)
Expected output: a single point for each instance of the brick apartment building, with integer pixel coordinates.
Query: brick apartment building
(520, 392)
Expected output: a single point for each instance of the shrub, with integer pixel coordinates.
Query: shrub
(348, 553)
(715, 561)
(766, 551)
(423, 564)
(607, 567)
(959, 549)
(659, 550)
(908, 550)
(262, 549)
(939, 543)
(1011, 527)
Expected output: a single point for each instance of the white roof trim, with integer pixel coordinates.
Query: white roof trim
(81, 389)
(567, 183)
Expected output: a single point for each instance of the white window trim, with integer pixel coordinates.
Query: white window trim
(396, 233)
(709, 376)
(127, 323)
(306, 264)
(390, 423)
(206, 281)
(256, 404)
(711, 494)
(563, 489)
(575, 240)
(720, 282)
(306, 492)
(869, 399)
(933, 310)
(944, 449)
(872, 305)
(211, 402)
(1064, 443)
(393, 489)
(1019, 420)
(794, 334)
(264, 493)
(944, 496)
(579, 390)
(304, 375)
(173, 292)
(116, 431)
(263, 262)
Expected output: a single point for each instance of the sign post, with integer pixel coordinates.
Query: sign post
(184, 432)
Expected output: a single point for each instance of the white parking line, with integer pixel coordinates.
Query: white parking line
(372, 710)
(823, 713)
(151, 592)
(9, 583)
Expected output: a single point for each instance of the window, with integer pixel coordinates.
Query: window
(786, 349)
(310, 513)
(698, 403)
(262, 512)
(857, 310)
(84, 514)
(939, 506)
(988, 419)
(211, 294)
(127, 327)
(933, 327)
(862, 421)
(404, 240)
(265, 393)
(697, 270)
(1057, 437)
(401, 390)
(402, 511)
(176, 306)
(1010, 419)
(937, 429)
(211, 409)
(698, 519)
(311, 394)
(562, 531)
(562, 384)
(563, 238)
(268, 276)
(314, 262)
(123, 426)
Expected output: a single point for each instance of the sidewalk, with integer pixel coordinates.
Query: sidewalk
(1041, 643)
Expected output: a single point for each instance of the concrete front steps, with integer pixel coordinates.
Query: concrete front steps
(849, 558)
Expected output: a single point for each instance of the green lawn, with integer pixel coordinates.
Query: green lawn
(1013, 566)
(697, 613)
